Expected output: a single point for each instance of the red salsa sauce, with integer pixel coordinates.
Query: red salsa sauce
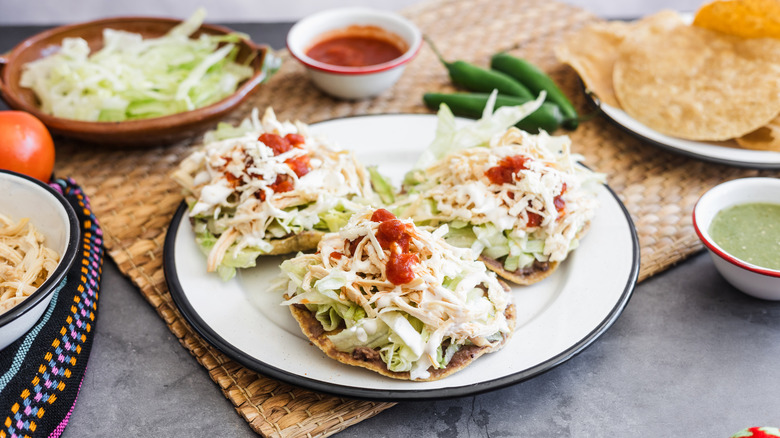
(301, 165)
(560, 204)
(507, 169)
(395, 236)
(534, 219)
(280, 144)
(399, 269)
(354, 50)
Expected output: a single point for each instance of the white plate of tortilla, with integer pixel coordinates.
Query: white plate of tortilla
(726, 152)
(557, 318)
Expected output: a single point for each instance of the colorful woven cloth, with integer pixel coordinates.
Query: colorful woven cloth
(41, 372)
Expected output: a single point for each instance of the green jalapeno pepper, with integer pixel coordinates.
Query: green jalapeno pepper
(536, 81)
(548, 117)
(475, 78)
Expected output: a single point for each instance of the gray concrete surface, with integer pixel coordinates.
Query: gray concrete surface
(690, 356)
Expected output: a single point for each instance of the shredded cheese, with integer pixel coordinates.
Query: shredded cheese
(448, 313)
(461, 190)
(231, 183)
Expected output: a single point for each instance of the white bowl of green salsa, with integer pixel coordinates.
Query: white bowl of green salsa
(739, 223)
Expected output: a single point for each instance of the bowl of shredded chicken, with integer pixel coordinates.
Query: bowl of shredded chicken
(39, 236)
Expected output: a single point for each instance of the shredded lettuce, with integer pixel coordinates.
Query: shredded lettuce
(294, 271)
(350, 338)
(398, 337)
(135, 78)
(226, 130)
(234, 258)
(434, 194)
(449, 138)
(381, 185)
(405, 331)
(397, 356)
(443, 359)
(328, 317)
(335, 280)
(333, 220)
(190, 25)
(517, 252)
(206, 234)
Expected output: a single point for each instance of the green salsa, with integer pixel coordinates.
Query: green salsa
(750, 232)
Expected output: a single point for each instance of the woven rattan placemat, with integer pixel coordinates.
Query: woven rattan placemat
(134, 198)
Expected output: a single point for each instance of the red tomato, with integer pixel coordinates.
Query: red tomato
(25, 145)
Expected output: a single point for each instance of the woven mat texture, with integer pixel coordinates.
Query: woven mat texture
(134, 198)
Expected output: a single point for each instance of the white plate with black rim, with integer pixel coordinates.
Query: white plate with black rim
(725, 152)
(557, 318)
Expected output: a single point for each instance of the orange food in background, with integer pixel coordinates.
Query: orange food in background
(742, 18)
(25, 145)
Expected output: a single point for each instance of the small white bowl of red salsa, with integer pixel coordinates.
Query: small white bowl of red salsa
(739, 223)
(354, 53)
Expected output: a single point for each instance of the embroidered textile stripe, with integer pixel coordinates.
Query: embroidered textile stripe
(43, 394)
(28, 340)
(61, 427)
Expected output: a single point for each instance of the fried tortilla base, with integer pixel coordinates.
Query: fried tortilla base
(523, 276)
(530, 275)
(765, 138)
(698, 84)
(362, 358)
(303, 241)
(593, 50)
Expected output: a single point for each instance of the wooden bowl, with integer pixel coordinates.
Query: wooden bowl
(134, 133)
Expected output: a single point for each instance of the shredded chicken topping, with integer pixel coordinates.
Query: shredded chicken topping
(461, 190)
(452, 313)
(25, 262)
(250, 192)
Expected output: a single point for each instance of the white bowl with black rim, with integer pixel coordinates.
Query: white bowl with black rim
(51, 214)
(347, 82)
(752, 279)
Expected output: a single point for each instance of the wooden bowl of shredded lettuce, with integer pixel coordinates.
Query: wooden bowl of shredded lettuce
(133, 81)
